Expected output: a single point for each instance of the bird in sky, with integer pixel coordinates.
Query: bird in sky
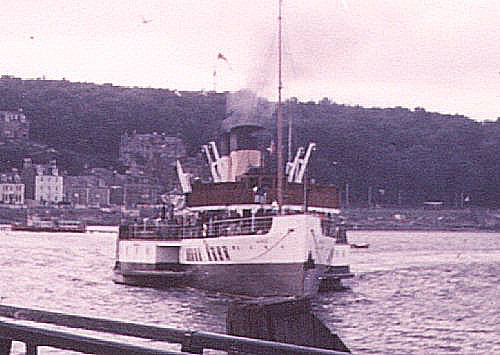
(32, 37)
(145, 21)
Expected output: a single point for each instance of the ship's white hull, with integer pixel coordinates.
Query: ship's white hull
(289, 259)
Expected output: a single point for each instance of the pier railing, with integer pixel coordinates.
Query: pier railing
(218, 228)
(192, 342)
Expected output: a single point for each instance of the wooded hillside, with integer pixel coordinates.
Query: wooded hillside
(403, 156)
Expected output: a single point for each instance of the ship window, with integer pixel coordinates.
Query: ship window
(194, 254)
(219, 252)
(209, 255)
(214, 255)
(199, 255)
(226, 252)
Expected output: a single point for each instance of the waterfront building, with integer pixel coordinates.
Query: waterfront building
(11, 189)
(48, 183)
(48, 189)
(43, 183)
(141, 190)
(86, 191)
(115, 180)
(116, 195)
(28, 174)
(13, 125)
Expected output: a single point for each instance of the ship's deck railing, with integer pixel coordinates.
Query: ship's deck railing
(38, 334)
(211, 229)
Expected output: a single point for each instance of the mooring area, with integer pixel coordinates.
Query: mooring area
(254, 327)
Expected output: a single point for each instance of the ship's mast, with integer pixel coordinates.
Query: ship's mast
(279, 121)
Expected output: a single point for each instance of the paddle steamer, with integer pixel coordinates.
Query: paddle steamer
(259, 228)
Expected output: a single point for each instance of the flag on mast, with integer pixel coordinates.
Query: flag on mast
(224, 58)
(221, 56)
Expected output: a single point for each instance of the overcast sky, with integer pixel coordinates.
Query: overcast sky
(440, 55)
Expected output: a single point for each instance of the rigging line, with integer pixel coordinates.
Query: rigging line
(289, 121)
(288, 53)
(261, 254)
(262, 80)
(271, 248)
(279, 122)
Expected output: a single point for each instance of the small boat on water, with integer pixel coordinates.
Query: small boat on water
(342, 236)
(360, 245)
(35, 224)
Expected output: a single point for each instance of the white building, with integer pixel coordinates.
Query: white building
(48, 189)
(48, 184)
(11, 188)
(11, 193)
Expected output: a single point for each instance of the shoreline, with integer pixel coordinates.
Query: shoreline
(355, 219)
(457, 230)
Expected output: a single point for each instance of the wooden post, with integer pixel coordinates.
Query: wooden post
(288, 320)
(5, 345)
(346, 195)
(189, 345)
(31, 349)
(369, 197)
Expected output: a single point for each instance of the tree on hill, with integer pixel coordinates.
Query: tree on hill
(400, 155)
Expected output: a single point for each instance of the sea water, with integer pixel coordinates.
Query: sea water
(414, 292)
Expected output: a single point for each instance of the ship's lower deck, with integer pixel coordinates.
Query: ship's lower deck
(289, 257)
(274, 279)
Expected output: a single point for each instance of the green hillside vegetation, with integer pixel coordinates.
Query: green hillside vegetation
(404, 156)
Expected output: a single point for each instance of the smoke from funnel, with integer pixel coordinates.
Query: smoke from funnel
(245, 108)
